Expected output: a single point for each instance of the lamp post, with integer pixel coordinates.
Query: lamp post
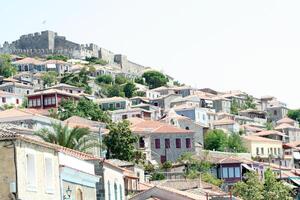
(68, 193)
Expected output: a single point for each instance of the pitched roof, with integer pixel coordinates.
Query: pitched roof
(269, 132)
(285, 120)
(94, 126)
(148, 126)
(224, 121)
(254, 138)
(8, 94)
(56, 62)
(21, 85)
(283, 126)
(54, 91)
(112, 99)
(28, 61)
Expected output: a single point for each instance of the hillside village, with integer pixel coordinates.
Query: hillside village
(80, 122)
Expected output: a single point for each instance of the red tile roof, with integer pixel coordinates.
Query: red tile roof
(148, 126)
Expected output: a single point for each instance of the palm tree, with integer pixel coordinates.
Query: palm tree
(79, 139)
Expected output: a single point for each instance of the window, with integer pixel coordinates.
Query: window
(118, 105)
(49, 175)
(3, 100)
(116, 191)
(187, 128)
(30, 172)
(157, 143)
(163, 158)
(79, 195)
(30, 103)
(17, 101)
(53, 101)
(34, 102)
(271, 149)
(231, 172)
(225, 172)
(279, 151)
(121, 192)
(38, 102)
(178, 143)
(257, 151)
(27, 91)
(142, 142)
(275, 151)
(275, 112)
(188, 143)
(108, 189)
(262, 150)
(167, 143)
(237, 172)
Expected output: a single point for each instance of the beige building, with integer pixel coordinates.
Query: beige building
(262, 147)
(29, 169)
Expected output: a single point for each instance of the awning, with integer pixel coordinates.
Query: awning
(295, 180)
(51, 66)
(247, 167)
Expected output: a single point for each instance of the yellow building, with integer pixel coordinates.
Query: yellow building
(262, 147)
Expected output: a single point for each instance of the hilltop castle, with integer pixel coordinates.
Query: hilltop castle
(49, 43)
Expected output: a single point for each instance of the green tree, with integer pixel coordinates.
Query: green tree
(253, 188)
(129, 89)
(49, 78)
(249, 189)
(156, 176)
(294, 114)
(105, 78)
(167, 165)
(269, 126)
(249, 103)
(83, 108)
(234, 109)
(235, 143)
(57, 57)
(79, 79)
(274, 189)
(115, 91)
(6, 68)
(120, 80)
(155, 79)
(79, 139)
(140, 80)
(120, 141)
(96, 60)
(215, 140)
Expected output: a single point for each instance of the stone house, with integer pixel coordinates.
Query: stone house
(58, 66)
(186, 123)
(26, 118)
(277, 112)
(290, 128)
(139, 100)
(36, 169)
(164, 102)
(29, 169)
(115, 182)
(195, 113)
(221, 104)
(68, 88)
(7, 98)
(150, 111)
(113, 103)
(160, 141)
(262, 147)
(30, 65)
(227, 125)
(29, 78)
(17, 88)
(257, 115)
(49, 98)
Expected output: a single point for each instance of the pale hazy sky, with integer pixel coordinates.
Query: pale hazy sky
(252, 46)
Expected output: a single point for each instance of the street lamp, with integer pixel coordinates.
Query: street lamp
(68, 193)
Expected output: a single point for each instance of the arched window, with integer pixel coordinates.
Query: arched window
(121, 192)
(187, 128)
(79, 195)
(108, 189)
(116, 191)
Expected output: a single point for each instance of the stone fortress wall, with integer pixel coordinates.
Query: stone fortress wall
(49, 43)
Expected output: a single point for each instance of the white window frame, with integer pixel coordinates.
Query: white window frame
(49, 187)
(32, 188)
(225, 169)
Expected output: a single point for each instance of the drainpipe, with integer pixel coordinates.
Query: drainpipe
(16, 168)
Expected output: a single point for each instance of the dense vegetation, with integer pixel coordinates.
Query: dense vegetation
(155, 79)
(83, 108)
(252, 188)
(58, 57)
(294, 114)
(219, 141)
(95, 60)
(248, 104)
(6, 67)
(120, 141)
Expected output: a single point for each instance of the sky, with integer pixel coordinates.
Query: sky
(253, 46)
